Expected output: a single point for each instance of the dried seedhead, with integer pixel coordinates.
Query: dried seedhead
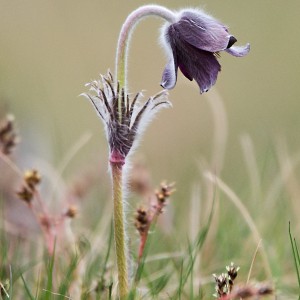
(8, 135)
(31, 179)
(124, 119)
(142, 220)
(254, 291)
(71, 212)
(225, 281)
(25, 194)
(165, 191)
(145, 217)
(225, 289)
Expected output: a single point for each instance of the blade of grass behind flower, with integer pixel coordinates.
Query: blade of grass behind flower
(38, 285)
(27, 289)
(181, 283)
(10, 283)
(216, 104)
(50, 266)
(4, 241)
(69, 156)
(252, 262)
(251, 167)
(110, 239)
(245, 214)
(65, 284)
(141, 264)
(99, 294)
(295, 255)
(159, 284)
(197, 246)
(193, 259)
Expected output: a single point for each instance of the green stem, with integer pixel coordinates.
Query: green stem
(119, 229)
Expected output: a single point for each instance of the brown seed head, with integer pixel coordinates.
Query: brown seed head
(25, 194)
(221, 284)
(232, 271)
(71, 212)
(142, 220)
(8, 135)
(165, 192)
(32, 178)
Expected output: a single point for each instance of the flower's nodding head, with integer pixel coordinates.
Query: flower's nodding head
(194, 42)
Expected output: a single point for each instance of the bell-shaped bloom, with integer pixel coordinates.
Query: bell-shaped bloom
(193, 43)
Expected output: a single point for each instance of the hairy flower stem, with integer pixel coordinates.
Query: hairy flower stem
(119, 229)
(116, 166)
(125, 34)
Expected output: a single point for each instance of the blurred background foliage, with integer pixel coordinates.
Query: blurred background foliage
(50, 49)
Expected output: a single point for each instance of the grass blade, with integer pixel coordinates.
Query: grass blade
(194, 250)
(64, 286)
(110, 240)
(50, 267)
(27, 289)
(10, 282)
(295, 255)
(181, 283)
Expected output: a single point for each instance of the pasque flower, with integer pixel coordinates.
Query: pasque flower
(193, 40)
(193, 43)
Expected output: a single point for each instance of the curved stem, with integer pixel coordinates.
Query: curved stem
(116, 164)
(125, 33)
(119, 229)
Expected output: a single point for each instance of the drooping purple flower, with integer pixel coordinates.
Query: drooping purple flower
(193, 43)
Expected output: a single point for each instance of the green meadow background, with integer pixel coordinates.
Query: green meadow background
(245, 130)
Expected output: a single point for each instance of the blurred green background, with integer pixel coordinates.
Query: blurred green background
(50, 49)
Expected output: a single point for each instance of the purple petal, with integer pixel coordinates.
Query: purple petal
(202, 31)
(185, 72)
(169, 76)
(194, 63)
(200, 65)
(204, 69)
(239, 51)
